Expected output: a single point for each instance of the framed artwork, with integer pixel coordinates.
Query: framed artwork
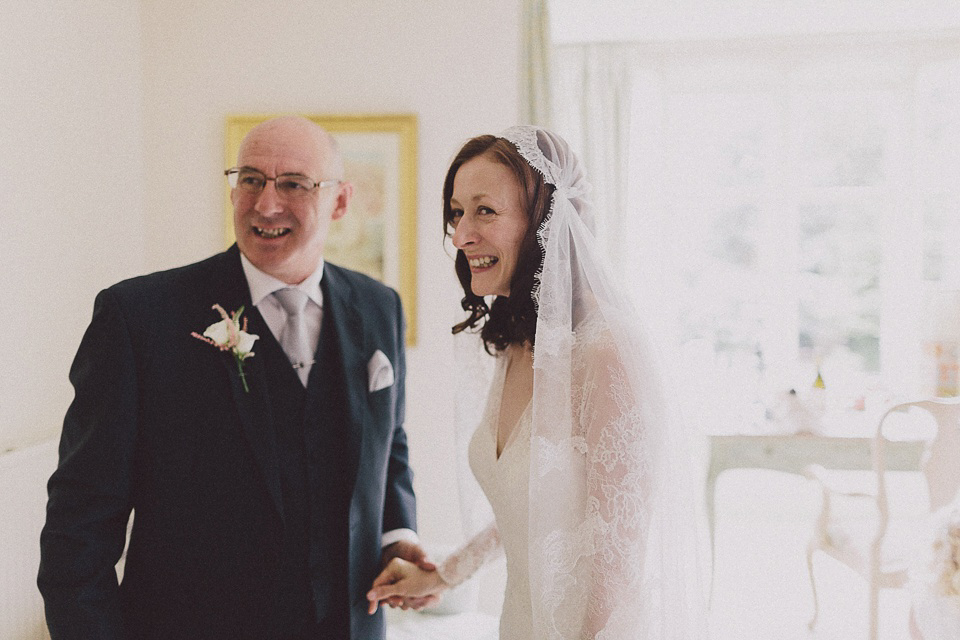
(378, 235)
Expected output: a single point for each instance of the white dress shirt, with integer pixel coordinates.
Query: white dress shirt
(262, 285)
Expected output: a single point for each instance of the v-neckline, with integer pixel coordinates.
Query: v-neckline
(498, 455)
(517, 426)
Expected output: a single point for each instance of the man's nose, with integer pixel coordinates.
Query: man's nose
(268, 200)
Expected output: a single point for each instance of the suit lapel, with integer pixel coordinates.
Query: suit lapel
(339, 302)
(253, 406)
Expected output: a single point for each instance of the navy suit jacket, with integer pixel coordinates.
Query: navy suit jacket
(162, 425)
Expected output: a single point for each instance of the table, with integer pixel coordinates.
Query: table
(792, 453)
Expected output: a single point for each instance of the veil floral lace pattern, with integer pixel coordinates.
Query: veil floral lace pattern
(612, 515)
(613, 538)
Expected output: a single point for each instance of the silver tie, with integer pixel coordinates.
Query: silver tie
(293, 335)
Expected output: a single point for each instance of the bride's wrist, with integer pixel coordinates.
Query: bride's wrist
(439, 582)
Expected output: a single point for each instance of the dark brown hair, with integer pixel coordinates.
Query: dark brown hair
(513, 319)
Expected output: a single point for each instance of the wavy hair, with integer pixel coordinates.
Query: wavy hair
(509, 319)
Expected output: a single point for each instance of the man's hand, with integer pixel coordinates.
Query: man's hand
(401, 579)
(411, 552)
(406, 550)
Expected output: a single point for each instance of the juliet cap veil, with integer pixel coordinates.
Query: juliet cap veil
(614, 550)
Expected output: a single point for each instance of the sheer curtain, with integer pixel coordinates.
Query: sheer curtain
(593, 86)
(535, 63)
(584, 92)
(598, 88)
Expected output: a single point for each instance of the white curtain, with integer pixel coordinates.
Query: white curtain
(535, 64)
(593, 96)
(584, 93)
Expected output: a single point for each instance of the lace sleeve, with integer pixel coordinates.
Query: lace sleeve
(465, 561)
(618, 478)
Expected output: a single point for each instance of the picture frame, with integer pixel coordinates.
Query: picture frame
(378, 236)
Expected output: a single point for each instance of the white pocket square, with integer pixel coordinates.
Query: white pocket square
(379, 372)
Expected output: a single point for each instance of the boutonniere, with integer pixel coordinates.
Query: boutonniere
(228, 335)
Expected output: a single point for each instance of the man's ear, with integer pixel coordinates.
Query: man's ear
(344, 195)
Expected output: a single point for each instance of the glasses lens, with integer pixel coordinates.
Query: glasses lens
(248, 180)
(294, 186)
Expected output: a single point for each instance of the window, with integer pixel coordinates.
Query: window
(808, 200)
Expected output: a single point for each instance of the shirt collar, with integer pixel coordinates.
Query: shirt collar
(263, 284)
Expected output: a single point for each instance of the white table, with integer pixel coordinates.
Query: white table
(792, 453)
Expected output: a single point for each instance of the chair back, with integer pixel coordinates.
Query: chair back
(941, 458)
(941, 461)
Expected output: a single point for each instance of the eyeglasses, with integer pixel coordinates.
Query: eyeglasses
(289, 185)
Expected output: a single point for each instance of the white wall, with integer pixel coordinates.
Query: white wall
(71, 207)
(672, 20)
(23, 478)
(71, 192)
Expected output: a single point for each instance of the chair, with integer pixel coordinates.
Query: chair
(878, 558)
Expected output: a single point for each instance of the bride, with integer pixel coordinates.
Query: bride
(580, 451)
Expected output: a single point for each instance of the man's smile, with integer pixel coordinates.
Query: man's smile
(271, 233)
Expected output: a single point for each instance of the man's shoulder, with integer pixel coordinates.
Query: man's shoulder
(199, 285)
(176, 277)
(359, 282)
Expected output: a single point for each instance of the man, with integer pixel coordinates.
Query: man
(265, 495)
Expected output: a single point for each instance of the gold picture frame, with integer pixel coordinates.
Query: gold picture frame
(378, 236)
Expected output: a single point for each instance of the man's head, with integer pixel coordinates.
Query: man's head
(282, 228)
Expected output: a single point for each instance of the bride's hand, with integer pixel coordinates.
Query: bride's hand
(401, 578)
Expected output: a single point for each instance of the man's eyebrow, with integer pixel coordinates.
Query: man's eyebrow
(247, 167)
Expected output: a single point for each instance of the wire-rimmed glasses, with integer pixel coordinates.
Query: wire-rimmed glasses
(288, 185)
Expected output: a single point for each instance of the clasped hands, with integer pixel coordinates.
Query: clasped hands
(407, 580)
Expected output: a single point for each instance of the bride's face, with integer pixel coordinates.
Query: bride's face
(489, 223)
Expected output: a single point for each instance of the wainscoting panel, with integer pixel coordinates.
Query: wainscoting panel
(23, 499)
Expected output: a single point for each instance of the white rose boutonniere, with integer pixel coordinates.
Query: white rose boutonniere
(228, 335)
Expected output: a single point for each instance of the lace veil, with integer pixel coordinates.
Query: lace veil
(612, 530)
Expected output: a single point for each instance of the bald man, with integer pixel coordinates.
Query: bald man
(266, 489)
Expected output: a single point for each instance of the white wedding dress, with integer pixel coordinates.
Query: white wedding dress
(505, 481)
(592, 495)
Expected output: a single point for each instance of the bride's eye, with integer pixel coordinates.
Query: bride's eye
(485, 210)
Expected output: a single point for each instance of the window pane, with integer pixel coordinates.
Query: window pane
(938, 155)
(938, 135)
(937, 212)
(840, 254)
(721, 296)
(843, 139)
(720, 141)
(723, 287)
(722, 157)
